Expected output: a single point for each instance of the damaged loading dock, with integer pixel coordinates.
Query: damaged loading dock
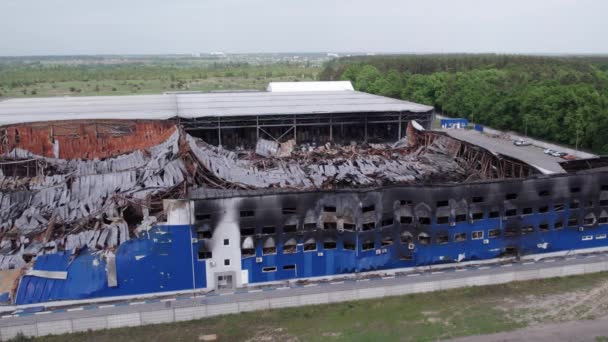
(301, 190)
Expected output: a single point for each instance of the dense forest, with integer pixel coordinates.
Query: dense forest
(561, 99)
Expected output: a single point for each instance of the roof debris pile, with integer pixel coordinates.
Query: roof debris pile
(328, 166)
(91, 203)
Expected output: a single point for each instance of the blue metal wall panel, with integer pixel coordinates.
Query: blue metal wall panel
(159, 262)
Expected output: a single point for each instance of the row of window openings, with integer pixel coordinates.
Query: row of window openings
(457, 238)
(371, 208)
(425, 239)
(439, 204)
(423, 220)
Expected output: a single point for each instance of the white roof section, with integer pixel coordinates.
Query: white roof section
(310, 86)
(188, 106)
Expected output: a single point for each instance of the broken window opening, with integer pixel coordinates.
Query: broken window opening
(330, 225)
(289, 211)
(511, 212)
(247, 213)
(460, 218)
(368, 208)
(589, 220)
(202, 217)
(290, 246)
(575, 190)
(247, 231)
(573, 222)
(477, 216)
(348, 226)
(558, 207)
(510, 231)
(368, 226)
(424, 238)
(604, 202)
(202, 255)
(349, 246)
(290, 228)
(387, 241)
(543, 227)
(269, 247)
(289, 267)
(527, 211)
(477, 199)
(329, 244)
(443, 219)
(310, 245)
(424, 220)
(476, 235)
(444, 203)
(459, 237)
(329, 209)
(492, 233)
(543, 209)
(406, 257)
(406, 220)
(494, 214)
(443, 239)
(544, 193)
(406, 238)
(558, 225)
(510, 196)
(387, 222)
(268, 230)
(203, 235)
(527, 229)
(226, 262)
(247, 252)
(269, 269)
(589, 205)
(406, 202)
(367, 245)
(575, 204)
(310, 226)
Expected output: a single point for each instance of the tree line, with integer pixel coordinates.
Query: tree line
(561, 99)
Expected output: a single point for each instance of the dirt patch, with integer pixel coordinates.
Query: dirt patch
(581, 304)
(268, 334)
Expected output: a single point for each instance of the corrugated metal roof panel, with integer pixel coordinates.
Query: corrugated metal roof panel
(159, 107)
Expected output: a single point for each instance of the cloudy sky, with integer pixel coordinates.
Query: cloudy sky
(51, 27)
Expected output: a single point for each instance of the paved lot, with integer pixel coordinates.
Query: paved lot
(34, 315)
(529, 154)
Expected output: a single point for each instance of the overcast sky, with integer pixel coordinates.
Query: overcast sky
(51, 27)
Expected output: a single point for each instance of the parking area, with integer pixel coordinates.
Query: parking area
(530, 154)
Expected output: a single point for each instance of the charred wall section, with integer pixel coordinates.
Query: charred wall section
(413, 225)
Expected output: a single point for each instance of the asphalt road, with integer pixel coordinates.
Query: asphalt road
(33, 315)
(532, 155)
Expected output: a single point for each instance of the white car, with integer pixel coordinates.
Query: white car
(520, 142)
(548, 151)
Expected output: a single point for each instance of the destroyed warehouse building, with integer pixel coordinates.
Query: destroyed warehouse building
(108, 196)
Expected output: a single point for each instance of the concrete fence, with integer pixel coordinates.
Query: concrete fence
(40, 325)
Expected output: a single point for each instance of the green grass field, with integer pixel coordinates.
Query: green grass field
(419, 317)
